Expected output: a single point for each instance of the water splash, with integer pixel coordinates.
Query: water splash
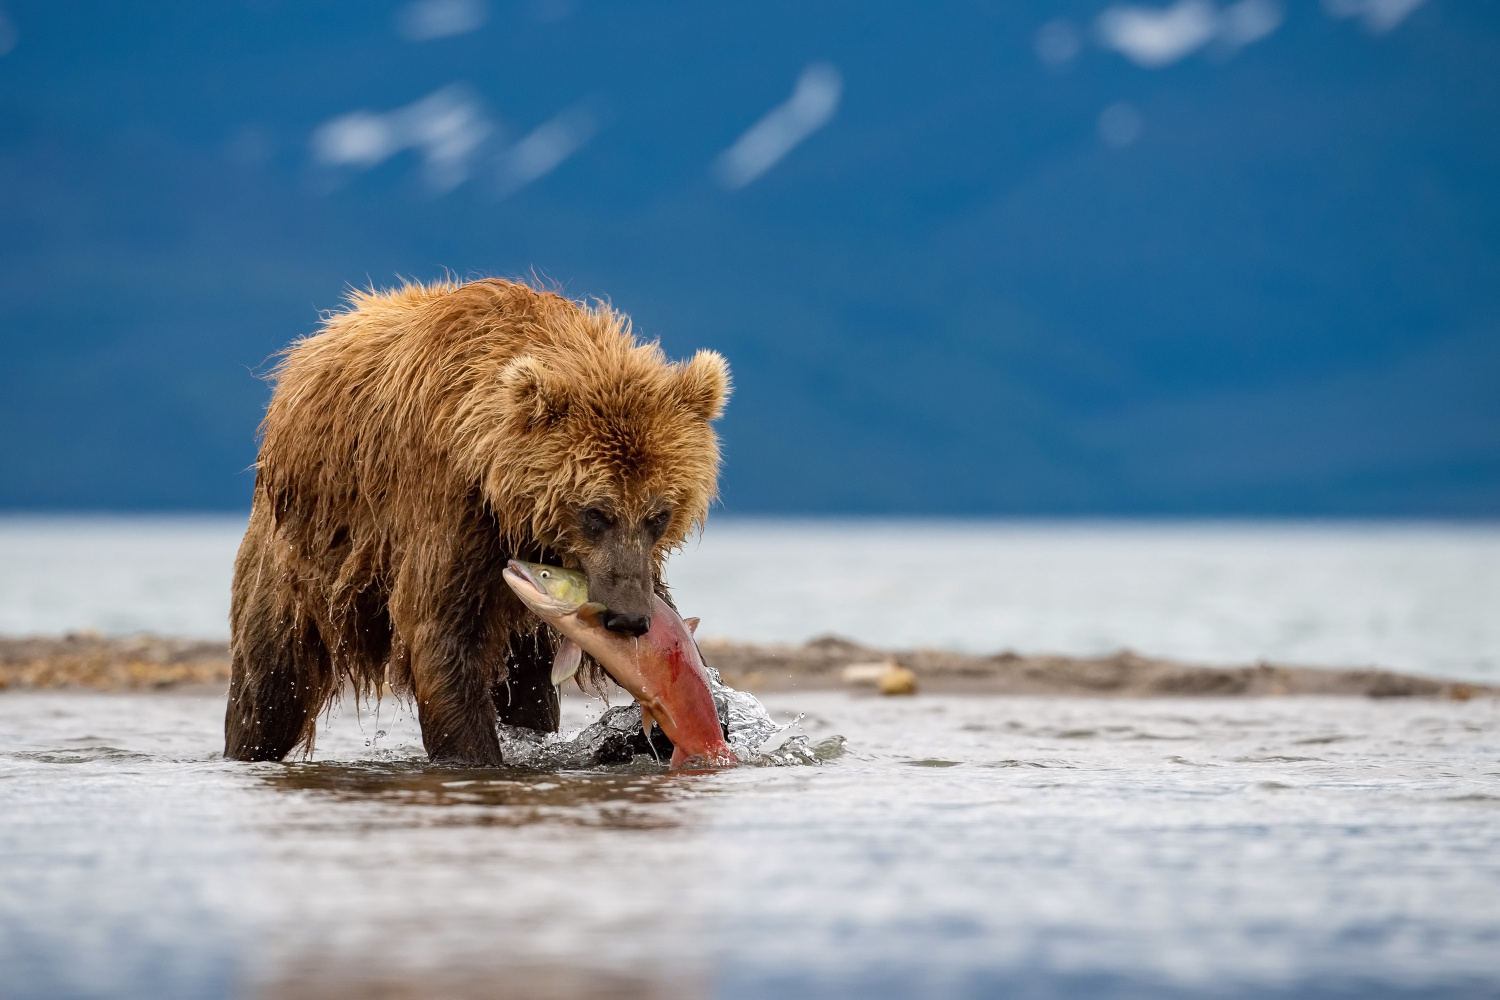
(798, 751)
(617, 737)
(750, 727)
(746, 719)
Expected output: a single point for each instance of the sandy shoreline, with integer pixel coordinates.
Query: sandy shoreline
(145, 662)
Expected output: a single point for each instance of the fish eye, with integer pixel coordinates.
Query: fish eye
(544, 574)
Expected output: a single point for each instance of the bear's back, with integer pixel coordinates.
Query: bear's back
(359, 406)
(416, 332)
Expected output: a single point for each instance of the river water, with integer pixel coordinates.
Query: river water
(980, 847)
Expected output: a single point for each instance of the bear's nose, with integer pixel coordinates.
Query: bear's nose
(627, 623)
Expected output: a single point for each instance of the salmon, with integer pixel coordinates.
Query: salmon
(661, 669)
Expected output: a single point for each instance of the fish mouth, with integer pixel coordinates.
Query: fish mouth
(518, 572)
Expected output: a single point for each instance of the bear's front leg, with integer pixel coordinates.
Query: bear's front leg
(453, 671)
(448, 606)
(526, 696)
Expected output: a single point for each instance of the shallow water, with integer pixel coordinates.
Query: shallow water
(1407, 596)
(959, 848)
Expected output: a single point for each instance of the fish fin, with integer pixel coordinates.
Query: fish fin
(589, 614)
(646, 722)
(692, 624)
(566, 663)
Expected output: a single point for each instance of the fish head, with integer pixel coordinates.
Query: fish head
(550, 591)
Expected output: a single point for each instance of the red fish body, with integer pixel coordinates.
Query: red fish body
(670, 672)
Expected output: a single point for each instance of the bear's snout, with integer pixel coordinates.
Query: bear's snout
(627, 623)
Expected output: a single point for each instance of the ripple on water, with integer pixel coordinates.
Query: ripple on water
(79, 755)
(1042, 762)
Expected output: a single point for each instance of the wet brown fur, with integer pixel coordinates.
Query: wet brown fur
(420, 439)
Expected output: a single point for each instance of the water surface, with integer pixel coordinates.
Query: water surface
(959, 848)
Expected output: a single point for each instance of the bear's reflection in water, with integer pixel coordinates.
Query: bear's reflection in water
(624, 797)
(505, 982)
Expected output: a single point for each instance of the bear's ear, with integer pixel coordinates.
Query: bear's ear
(532, 394)
(703, 384)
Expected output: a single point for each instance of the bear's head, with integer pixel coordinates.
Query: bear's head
(604, 449)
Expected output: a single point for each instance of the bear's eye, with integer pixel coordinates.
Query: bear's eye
(595, 520)
(657, 523)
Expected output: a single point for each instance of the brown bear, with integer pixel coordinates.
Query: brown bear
(415, 443)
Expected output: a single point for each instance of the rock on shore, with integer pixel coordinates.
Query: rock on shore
(88, 660)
